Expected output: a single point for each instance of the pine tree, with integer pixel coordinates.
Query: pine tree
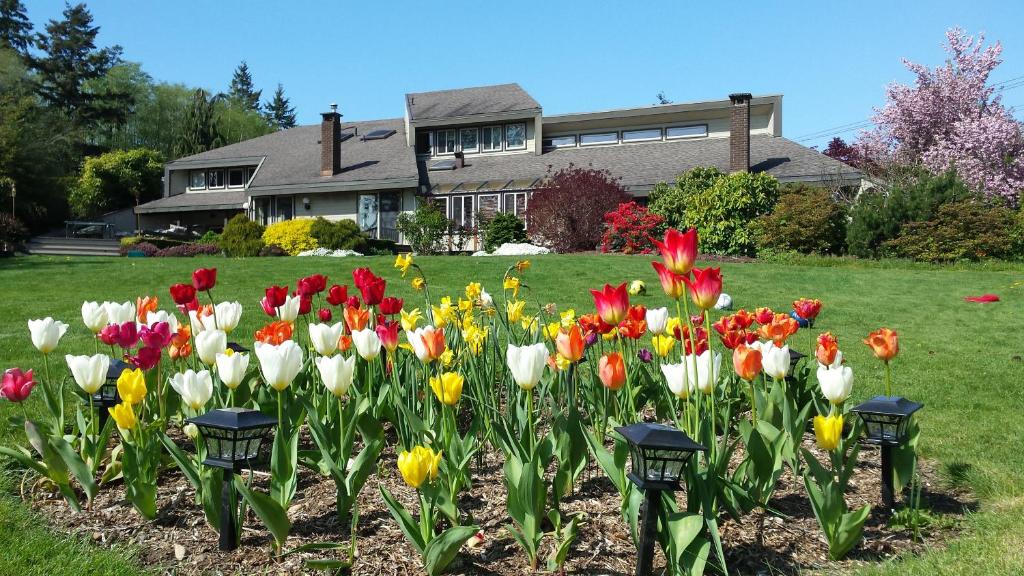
(242, 89)
(280, 112)
(15, 27)
(198, 131)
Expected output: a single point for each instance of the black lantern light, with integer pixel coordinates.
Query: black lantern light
(795, 357)
(107, 397)
(886, 421)
(236, 347)
(659, 454)
(234, 438)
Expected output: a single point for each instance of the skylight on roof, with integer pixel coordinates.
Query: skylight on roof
(443, 165)
(378, 134)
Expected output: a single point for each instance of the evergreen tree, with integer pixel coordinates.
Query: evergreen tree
(280, 112)
(69, 60)
(199, 127)
(242, 89)
(15, 27)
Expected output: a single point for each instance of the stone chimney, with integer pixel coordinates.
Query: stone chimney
(330, 142)
(739, 133)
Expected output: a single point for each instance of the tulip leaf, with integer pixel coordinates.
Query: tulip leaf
(269, 511)
(77, 466)
(185, 463)
(440, 552)
(408, 526)
(848, 532)
(25, 460)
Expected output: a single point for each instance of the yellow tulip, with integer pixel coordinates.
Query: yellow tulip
(673, 325)
(663, 345)
(411, 319)
(473, 290)
(828, 431)
(124, 416)
(419, 465)
(515, 310)
(448, 387)
(418, 283)
(131, 386)
(403, 262)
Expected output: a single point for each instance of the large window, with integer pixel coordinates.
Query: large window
(641, 135)
(269, 209)
(515, 203)
(197, 180)
(367, 215)
(491, 140)
(515, 136)
(444, 142)
(560, 142)
(469, 139)
(602, 138)
(489, 206)
(215, 179)
(236, 178)
(462, 211)
(697, 131)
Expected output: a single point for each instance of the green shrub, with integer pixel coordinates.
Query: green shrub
(669, 201)
(878, 216)
(209, 237)
(292, 236)
(12, 232)
(806, 219)
(130, 240)
(424, 228)
(503, 228)
(969, 230)
(340, 235)
(242, 237)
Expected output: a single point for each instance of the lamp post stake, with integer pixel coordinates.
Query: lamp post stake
(645, 558)
(228, 532)
(888, 498)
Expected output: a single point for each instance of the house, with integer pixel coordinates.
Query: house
(476, 151)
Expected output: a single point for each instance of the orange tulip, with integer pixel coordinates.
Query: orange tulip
(344, 343)
(275, 333)
(569, 343)
(145, 305)
(781, 327)
(434, 343)
(679, 250)
(635, 323)
(706, 287)
(356, 318)
(884, 343)
(747, 362)
(827, 349)
(612, 370)
(181, 344)
(671, 282)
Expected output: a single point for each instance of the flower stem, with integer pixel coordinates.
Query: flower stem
(888, 379)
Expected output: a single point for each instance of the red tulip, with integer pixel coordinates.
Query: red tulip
(127, 335)
(189, 306)
(697, 319)
(612, 370)
(337, 295)
(696, 345)
(827, 349)
(352, 302)
(635, 323)
(276, 295)
(108, 335)
(305, 303)
(204, 279)
(146, 358)
(611, 303)
(311, 285)
(387, 331)
(361, 276)
(679, 250)
(156, 336)
(325, 314)
(747, 362)
(807, 309)
(268, 307)
(17, 385)
(733, 338)
(373, 291)
(391, 305)
(671, 282)
(764, 315)
(182, 294)
(706, 287)
(592, 324)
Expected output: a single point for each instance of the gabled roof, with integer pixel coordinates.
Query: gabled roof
(463, 102)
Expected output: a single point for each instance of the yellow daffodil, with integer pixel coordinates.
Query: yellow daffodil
(124, 416)
(475, 337)
(515, 310)
(529, 323)
(663, 345)
(447, 357)
(568, 317)
(131, 386)
(418, 283)
(562, 363)
(411, 319)
(828, 431)
(403, 262)
(473, 291)
(522, 266)
(447, 387)
(551, 330)
(511, 283)
(465, 305)
(419, 465)
(444, 313)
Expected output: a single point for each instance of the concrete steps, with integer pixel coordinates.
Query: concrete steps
(54, 246)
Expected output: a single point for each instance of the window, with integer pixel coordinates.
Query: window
(489, 206)
(697, 131)
(602, 138)
(515, 203)
(285, 208)
(515, 136)
(215, 179)
(641, 135)
(560, 142)
(444, 142)
(197, 180)
(491, 139)
(248, 175)
(462, 211)
(367, 215)
(468, 139)
(236, 178)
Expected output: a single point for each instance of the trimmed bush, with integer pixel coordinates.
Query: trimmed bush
(242, 237)
(669, 201)
(188, 250)
(339, 235)
(144, 248)
(970, 230)
(567, 212)
(209, 237)
(806, 219)
(425, 228)
(12, 232)
(503, 228)
(631, 229)
(130, 240)
(292, 236)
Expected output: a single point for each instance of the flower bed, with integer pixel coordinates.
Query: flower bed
(409, 425)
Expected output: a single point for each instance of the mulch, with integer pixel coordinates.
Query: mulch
(180, 542)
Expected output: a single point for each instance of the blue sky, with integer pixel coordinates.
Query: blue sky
(831, 60)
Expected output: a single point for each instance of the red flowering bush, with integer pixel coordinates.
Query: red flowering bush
(567, 212)
(630, 229)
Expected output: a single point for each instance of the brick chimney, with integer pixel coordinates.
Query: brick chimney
(330, 142)
(739, 133)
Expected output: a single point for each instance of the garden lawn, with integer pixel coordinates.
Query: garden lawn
(962, 360)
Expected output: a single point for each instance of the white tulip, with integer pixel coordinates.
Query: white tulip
(836, 382)
(94, 315)
(325, 337)
(280, 364)
(337, 372)
(195, 388)
(119, 313)
(367, 343)
(161, 316)
(89, 371)
(232, 367)
(290, 310)
(209, 343)
(707, 376)
(46, 333)
(774, 360)
(681, 378)
(415, 339)
(657, 320)
(527, 364)
(197, 322)
(228, 315)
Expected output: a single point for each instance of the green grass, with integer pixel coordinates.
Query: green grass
(962, 360)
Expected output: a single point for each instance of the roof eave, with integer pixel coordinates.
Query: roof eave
(334, 186)
(476, 118)
(214, 162)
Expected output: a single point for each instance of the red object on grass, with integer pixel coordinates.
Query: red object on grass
(983, 299)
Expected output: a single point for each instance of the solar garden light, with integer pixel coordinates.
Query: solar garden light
(236, 347)
(107, 397)
(886, 420)
(233, 438)
(659, 454)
